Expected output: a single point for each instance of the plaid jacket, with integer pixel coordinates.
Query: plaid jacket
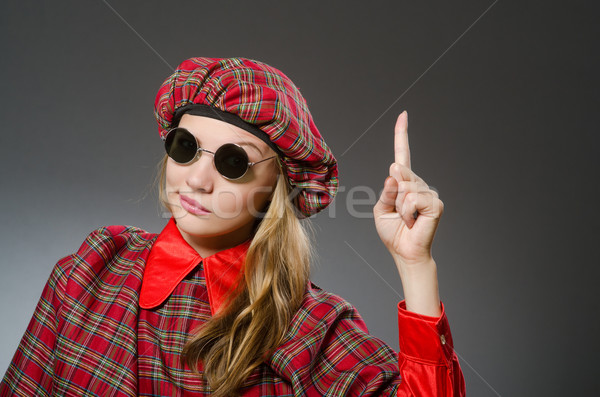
(112, 322)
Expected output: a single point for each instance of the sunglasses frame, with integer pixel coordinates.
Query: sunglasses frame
(201, 149)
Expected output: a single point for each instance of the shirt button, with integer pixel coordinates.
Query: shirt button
(443, 339)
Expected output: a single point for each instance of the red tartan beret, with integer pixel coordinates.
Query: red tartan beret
(265, 102)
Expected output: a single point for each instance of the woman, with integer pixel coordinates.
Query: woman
(220, 301)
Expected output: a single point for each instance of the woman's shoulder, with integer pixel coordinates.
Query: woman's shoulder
(115, 237)
(114, 243)
(327, 306)
(322, 312)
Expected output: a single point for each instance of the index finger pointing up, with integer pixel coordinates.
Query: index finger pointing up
(401, 149)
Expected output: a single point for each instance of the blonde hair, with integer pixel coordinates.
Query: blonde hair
(233, 343)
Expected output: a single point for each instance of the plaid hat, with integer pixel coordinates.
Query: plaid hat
(263, 101)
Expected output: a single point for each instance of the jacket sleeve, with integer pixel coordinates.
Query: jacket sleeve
(330, 352)
(31, 369)
(428, 364)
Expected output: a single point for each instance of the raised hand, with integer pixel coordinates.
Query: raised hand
(406, 218)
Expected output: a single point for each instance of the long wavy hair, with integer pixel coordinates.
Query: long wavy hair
(254, 321)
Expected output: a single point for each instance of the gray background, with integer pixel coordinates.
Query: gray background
(502, 98)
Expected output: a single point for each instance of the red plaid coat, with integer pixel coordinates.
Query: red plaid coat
(113, 318)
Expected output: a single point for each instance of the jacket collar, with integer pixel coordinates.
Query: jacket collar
(172, 258)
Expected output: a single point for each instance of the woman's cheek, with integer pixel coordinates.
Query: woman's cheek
(258, 201)
(228, 203)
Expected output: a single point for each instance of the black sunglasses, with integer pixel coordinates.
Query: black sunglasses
(231, 160)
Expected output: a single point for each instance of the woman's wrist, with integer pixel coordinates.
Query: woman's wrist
(420, 285)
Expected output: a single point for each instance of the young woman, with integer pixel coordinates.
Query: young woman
(220, 302)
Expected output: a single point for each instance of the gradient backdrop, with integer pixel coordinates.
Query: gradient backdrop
(502, 99)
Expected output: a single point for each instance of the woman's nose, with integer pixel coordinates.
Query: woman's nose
(201, 173)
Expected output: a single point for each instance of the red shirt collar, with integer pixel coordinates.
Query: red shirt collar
(172, 258)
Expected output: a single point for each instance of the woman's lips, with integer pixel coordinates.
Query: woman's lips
(192, 206)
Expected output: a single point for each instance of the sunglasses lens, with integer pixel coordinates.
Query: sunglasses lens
(231, 161)
(181, 145)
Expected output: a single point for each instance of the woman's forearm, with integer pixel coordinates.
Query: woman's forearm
(420, 285)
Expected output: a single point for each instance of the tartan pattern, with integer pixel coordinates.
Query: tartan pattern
(81, 339)
(162, 335)
(261, 95)
(88, 337)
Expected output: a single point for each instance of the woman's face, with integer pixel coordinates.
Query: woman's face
(211, 212)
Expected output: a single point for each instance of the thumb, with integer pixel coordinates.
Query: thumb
(387, 199)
